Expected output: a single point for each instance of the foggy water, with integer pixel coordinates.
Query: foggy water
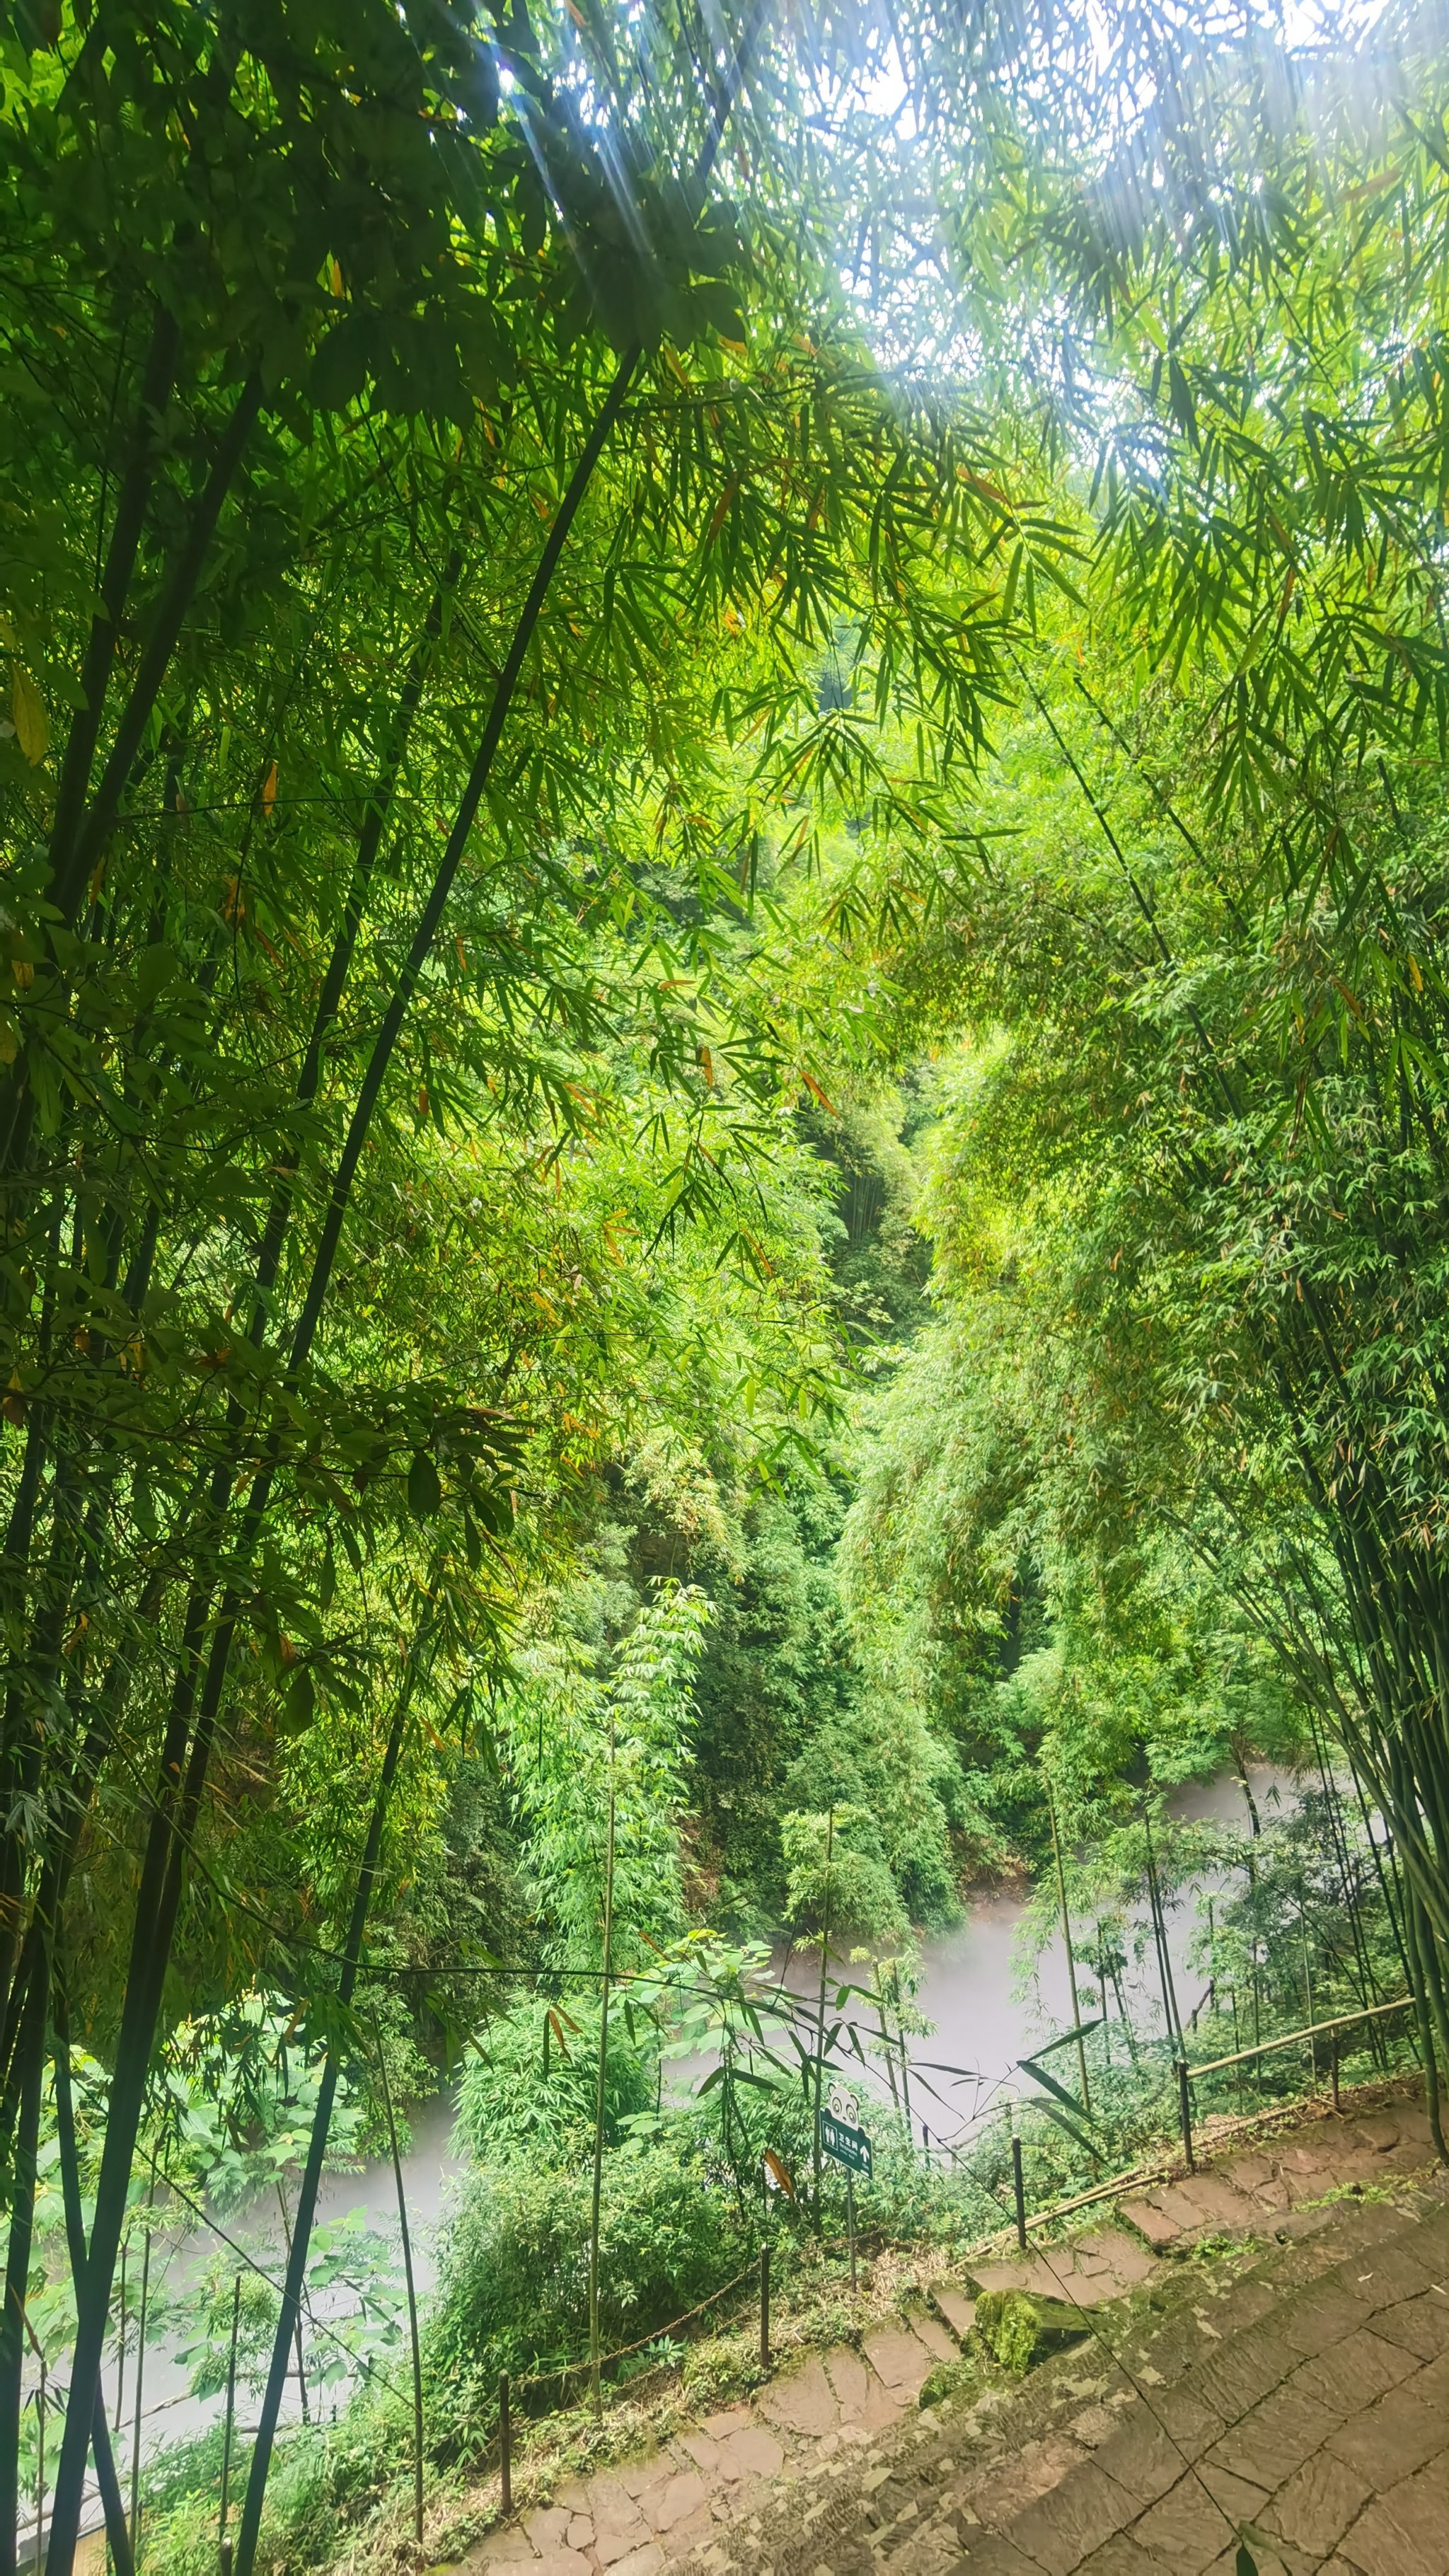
(988, 2015)
(991, 2004)
(989, 2009)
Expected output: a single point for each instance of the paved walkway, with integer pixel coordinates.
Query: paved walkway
(1306, 2393)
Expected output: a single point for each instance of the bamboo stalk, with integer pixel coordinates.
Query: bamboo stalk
(1122, 2013)
(287, 2242)
(121, 2342)
(38, 2348)
(1365, 1980)
(818, 2151)
(251, 2514)
(118, 2538)
(598, 2401)
(407, 2255)
(136, 2424)
(24, 2152)
(1291, 2038)
(1071, 1954)
(70, 881)
(1307, 1980)
(1159, 1934)
(230, 2413)
(157, 377)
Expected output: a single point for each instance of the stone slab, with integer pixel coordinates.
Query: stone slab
(1080, 2512)
(1152, 2222)
(1038, 2274)
(756, 2452)
(940, 2345)
(850, 2380)
(896, 2356)
(674, 2500)
(958, 2308)
(1421, 2325)
(804, 2402)
(1184, 2530)
(1393, 2439)
(546, 2525)
(1406, 2531)
(1112, 2250)
(1316, 2505)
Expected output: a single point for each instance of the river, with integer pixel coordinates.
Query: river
(988, 2009)
(989, 2004)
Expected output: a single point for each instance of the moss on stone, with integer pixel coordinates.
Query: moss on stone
(951, 2379)
(1016, 2329)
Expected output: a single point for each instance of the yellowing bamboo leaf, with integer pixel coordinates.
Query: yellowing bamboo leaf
(32, 731)
(721, 510)
(269, 789)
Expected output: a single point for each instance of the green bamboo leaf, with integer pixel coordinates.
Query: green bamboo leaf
(300, 1705)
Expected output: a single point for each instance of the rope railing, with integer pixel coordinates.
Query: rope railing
(791, 2012)
(658, 2334)
(1159, 2167)
(622, 2352)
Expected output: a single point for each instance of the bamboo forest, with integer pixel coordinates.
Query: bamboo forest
(724, 1285)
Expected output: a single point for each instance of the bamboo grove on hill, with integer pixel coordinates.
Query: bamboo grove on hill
(372, 423)
(440, 449)
(1193, 1241)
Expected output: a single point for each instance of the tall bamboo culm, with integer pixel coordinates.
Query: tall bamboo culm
(596, 2391)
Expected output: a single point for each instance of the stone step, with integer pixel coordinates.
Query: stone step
(1088, 2269)
(1287, 2381)
(1240, 2193)
(1304, 2393)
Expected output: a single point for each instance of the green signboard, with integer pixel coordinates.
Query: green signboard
(849, 2147)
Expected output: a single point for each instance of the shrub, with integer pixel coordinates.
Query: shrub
(1016, 2328)
(514, 2288)
(508, 2107)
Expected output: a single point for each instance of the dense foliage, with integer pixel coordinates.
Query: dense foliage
(722, 1093)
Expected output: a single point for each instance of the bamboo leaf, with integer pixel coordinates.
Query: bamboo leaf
(27, 708)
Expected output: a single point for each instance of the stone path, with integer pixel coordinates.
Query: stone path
(637, 2519)
(1301, 2398)
(1304, 2391)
